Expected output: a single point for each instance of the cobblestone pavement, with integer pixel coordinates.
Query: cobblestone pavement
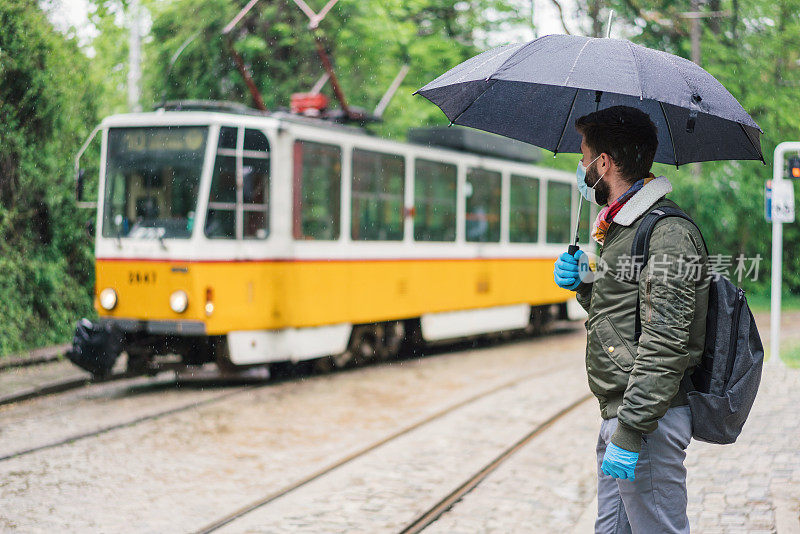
(544, 487)
(18, 380)
(182, 471)
(388, 488)
(752, 486)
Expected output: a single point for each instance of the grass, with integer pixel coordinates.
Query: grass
(791, 355)
(761, 303)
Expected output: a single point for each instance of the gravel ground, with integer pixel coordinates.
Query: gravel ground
(182, 471)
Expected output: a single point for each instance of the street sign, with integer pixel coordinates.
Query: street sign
(782, 201)
(768, 200)
(782, 210)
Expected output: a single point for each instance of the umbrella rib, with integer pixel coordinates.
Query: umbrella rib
(476, 67)
(758, 151)
(669, 130)
(470, 104)
(636, 69)
(575, 63)
(566, 121)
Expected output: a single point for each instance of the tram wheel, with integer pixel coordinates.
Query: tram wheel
(539, 318)
(393, 338)
(323, 365)
(413, 344)
(365, 346)
(221, 356)
(284, 369)
(138, 361)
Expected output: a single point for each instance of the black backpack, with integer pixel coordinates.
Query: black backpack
(723, 387)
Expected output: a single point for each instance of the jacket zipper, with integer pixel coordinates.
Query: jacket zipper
(647, 294)
(737, 314)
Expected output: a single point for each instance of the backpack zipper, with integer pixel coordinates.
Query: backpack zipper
(737, 314)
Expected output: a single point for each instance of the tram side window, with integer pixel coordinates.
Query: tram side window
(227, 137)
(255, 195)
(239, 186)
(434, 201)
(221, 218)
(524, 209)
(483, 205)
(317, 190)
(377, 196)
(558, 212)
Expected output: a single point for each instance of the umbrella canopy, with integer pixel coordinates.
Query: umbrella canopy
(534, 92)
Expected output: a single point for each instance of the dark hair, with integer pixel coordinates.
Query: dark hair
(624, 133)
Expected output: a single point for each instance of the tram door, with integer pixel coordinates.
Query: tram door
(237, 222)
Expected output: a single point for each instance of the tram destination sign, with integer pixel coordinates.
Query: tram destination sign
(163, 139)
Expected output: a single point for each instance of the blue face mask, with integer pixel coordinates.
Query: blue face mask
(587, 192)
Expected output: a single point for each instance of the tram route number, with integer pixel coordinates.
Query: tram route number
(141, 277)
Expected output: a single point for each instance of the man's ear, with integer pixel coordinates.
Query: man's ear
(607, 161)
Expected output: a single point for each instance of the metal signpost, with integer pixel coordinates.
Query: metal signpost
(781, 202)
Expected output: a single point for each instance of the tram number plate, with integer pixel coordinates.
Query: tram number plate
(141, 277)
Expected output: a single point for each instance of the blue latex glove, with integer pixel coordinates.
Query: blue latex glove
(619, 463)
(565, 273)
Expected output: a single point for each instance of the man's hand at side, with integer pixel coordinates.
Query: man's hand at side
(619, 463)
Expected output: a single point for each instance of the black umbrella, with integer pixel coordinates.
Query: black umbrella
(534, 92)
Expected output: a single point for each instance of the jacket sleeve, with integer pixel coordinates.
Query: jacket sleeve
(583, 293)
(667, 304)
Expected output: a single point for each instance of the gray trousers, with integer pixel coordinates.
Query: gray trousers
(655, 501)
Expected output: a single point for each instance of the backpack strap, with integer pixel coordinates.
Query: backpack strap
(640, 249)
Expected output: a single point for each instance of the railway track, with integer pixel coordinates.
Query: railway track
(443, 505)
(58, 386)
(77, 383)
(547, 373)
(52, 355)
(125, 424)
(436, 511)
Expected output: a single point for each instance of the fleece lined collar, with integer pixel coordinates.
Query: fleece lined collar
(642, 200)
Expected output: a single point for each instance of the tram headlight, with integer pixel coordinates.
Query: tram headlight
(178, 301)
(108, 299)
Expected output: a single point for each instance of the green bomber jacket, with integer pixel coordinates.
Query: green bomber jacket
(638, 382)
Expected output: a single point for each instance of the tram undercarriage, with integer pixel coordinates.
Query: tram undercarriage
(155, 346)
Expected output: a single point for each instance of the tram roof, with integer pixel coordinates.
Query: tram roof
(239, 114)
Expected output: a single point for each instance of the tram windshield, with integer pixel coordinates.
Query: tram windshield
(152, 181)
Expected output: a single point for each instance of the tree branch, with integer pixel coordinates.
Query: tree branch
(561, 15)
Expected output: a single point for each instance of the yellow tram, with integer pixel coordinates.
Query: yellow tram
(245, 238)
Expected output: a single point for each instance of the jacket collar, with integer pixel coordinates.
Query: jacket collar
(642, 200)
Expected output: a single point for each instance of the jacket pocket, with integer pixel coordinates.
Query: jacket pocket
(613, 345)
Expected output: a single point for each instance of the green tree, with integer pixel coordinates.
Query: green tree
(752, 49)
(46, 273)
(368, 40)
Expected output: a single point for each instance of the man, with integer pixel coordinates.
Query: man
(646, 419)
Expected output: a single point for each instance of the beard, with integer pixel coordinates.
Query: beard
(601, 190)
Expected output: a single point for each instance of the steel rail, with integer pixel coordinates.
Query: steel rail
(435, 512)
(211, 527)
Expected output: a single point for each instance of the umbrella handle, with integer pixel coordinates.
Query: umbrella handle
(574, 247)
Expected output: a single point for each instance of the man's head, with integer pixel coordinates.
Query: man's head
(623, 140)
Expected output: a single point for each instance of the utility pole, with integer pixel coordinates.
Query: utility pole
(696, 33)
(134, 55)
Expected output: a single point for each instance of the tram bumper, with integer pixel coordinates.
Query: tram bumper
(156, 327)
